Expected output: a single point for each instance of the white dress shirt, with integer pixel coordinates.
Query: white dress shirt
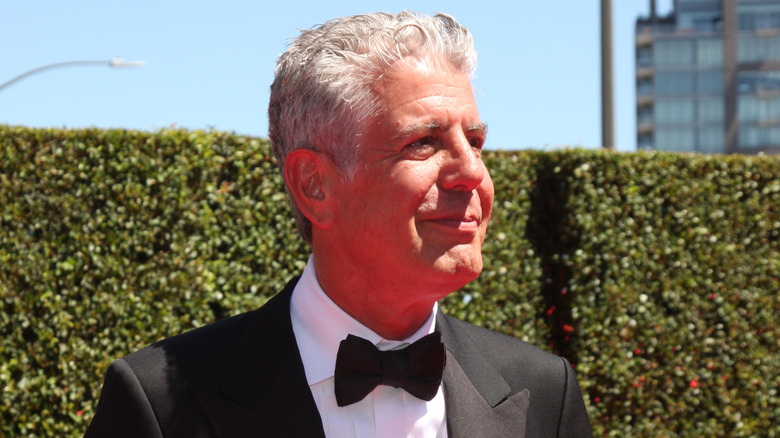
(319, 326)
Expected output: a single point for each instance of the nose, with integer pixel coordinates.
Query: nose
(462, 168)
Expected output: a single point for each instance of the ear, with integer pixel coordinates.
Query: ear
(306, 172)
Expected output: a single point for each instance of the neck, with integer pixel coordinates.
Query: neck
(390, 311)
(388, 323)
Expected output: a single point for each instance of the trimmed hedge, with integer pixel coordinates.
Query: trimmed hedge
(656, 274)
(673, 264)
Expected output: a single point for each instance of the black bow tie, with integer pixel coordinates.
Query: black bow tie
(416, 368)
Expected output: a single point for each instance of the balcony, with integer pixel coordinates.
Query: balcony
(645, 100)
(644, 39)
(644, 72)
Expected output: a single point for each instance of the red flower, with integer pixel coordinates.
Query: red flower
(568, 329)
(79, 413)
(694, 383)
(551, 310)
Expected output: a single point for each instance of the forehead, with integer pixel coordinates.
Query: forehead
(418, 88)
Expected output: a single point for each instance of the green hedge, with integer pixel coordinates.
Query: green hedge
(673, 265)
(656, 274)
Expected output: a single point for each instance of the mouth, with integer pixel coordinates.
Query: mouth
(469, 223)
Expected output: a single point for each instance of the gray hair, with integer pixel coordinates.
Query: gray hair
(321, 97)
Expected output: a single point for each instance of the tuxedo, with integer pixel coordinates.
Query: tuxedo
(243, 377)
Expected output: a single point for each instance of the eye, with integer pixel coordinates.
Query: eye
(476, 144)
(422, 142)
(421, 148)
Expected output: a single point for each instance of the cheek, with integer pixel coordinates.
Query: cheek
(486, 194)
(426, 201)
(415, 188)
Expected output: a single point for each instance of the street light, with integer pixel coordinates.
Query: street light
(116, 62)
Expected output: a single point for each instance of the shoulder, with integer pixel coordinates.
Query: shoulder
(145, 392)
(195, 356)
(199, 341)
(506, 347)
(207, 351)
(522, 364)
(556, 406)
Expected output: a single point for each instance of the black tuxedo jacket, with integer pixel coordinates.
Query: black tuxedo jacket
(243, 377)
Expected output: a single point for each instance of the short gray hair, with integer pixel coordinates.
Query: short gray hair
(321, 97)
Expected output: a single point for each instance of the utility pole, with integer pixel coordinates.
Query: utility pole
(607, 84)
(730, 73)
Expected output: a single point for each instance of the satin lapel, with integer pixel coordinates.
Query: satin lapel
(477, 397)
(265, 392)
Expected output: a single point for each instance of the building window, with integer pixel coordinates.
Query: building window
(759, 98)
(712, 140)
(757, 136)
(753, 48)
(674, 83)
(644, 56)
(710, 110)
(759, 17)
(672, 111)
(645, 141)
(753, 109)
(644, 115)
(709, 52)
(644, 87)
(710, 82)
(758, 82)
(747, 109)
(678, 139)
(673, 53)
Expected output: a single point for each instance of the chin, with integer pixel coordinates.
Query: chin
(459, 270)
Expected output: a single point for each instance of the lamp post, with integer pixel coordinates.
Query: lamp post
(607, 86)
(114, 63)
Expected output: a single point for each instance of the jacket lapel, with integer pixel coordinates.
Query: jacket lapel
(265, 391)
(477, 398)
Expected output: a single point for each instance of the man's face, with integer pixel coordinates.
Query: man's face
(416, 213)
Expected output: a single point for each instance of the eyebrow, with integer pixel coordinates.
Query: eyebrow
(481, 127)
(420, 128)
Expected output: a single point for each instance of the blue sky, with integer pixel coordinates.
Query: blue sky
(209, 64)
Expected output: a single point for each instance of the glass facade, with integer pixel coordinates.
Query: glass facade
(709, 52)
(710, 110)
(686, 85)
(758, 108)
(675, 139)
(675, 111)
(682, 92)
(673, 52)
(758, 16)
(758, 48)
(675, 83)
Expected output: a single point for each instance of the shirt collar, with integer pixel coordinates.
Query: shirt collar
(320, 325)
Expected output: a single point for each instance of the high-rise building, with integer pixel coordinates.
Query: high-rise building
(708, 77)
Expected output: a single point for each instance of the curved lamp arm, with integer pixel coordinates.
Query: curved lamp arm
(116, 62)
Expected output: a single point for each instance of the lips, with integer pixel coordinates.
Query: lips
(469, 222)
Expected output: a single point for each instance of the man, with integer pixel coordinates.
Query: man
(374, 124)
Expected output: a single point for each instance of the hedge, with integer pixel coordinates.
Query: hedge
(655, 274)
(672, 265)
